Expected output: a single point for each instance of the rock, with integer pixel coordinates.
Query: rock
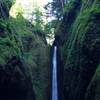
(93, 90)
(79, 42)
(24, 58)
(14, 82)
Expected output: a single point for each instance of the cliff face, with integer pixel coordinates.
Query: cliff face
(79, 39)
(24, 63)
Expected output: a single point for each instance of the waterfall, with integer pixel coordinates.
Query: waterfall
(54, 75)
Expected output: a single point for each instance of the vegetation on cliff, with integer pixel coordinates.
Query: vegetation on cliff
(24, 57)
(24, 52)
(78, 36)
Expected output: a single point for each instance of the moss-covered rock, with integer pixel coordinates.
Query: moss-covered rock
(24, 58)
(14, 81)
(93, 90)
(80, 48)
(37, 57)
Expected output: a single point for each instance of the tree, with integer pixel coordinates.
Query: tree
(56, 8)
(53, 9)
(38, 21)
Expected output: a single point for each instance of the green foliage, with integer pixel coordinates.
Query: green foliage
(7, 3)
(36, 56)
(38, 21)
(80, 49)
(3, 25)
(49, 27)
(8, 49)
(22, 39)
(22, 26)
(93, 89)
(55, 8)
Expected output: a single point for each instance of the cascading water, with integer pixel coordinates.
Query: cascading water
(54, 75)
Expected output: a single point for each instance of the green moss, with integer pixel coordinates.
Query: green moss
(80, 49)
(8, 49)
(37, 59)
(93, 89)
(18, 39)
(3, 24)
(22, 26)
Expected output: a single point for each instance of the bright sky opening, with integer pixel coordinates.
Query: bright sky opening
(27, 6)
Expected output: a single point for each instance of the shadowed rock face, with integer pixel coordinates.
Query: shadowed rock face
(5, 6)
(80, 49)
(14, 82)
(24, 58)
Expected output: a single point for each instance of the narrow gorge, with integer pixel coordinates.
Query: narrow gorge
(50, 53)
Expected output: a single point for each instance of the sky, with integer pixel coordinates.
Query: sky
(28, 6)
(43, 2)
(40, 3)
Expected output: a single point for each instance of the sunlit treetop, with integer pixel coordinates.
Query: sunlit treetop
(22, 6)
(27, 7)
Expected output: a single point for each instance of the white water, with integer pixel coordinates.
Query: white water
(54, 75)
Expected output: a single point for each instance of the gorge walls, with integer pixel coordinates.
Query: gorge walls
(78, 36)
(24, 58)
